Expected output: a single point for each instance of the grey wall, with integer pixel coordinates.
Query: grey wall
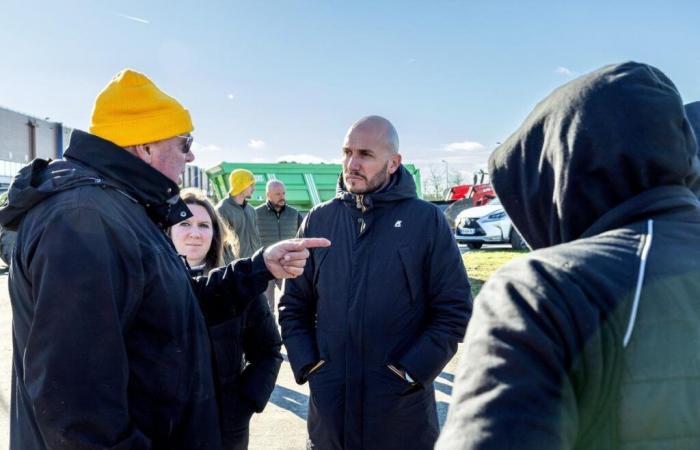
(17, 130)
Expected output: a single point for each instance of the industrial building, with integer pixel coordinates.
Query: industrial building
(24, 137)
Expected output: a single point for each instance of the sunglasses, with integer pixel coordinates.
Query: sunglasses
(188, 143)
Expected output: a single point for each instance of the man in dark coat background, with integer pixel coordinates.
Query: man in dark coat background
(591, 341)
(276, 221)
(110, 342)
(375, 318)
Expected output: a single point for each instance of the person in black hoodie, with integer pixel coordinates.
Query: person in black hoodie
(375, 318)
(246, 347)
(110, 341)
(591, 341)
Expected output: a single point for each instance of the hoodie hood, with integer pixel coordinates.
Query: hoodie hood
(590, 146)
(36, 182)
(91, 160)
(400, 187)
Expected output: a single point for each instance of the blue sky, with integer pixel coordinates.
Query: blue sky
(285, 79)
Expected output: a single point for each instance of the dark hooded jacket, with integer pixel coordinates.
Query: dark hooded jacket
(247, 360)
(391, 289)
(110, 343)
(591, 341)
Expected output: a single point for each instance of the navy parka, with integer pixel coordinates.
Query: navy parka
(391, 289)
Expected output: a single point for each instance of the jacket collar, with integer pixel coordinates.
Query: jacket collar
(660, 201)
(272, 208)
(236, 204)
(400, 187)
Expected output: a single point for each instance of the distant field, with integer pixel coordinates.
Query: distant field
(482, 263)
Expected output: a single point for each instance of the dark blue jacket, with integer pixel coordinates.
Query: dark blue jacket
(391, 289)
(110, 343)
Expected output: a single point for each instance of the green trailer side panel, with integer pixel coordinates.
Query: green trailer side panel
(307, 184)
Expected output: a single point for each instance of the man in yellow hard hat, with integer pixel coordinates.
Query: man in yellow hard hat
(238, 215)
(110, 340)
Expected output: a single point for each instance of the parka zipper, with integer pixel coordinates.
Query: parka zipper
(360, 204)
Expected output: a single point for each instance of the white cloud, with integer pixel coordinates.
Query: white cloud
(303, 158)
(230, 96)
(256, 143)
(468, 146)
(563, 71)
(207, 156)
(132, 18)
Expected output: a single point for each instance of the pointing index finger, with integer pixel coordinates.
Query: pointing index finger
(314, 242)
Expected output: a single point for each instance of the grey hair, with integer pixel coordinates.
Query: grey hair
(272, 183)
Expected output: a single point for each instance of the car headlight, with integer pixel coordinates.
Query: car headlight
(495, 216)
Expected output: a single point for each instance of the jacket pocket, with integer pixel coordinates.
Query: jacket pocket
(405, 386)
(323, 355)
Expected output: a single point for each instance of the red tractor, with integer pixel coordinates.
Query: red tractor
(465, 196)
(478, 194)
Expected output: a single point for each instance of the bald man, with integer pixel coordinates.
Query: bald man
(374, 319)
(276, 221)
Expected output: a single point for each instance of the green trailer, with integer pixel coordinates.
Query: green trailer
(307, 184)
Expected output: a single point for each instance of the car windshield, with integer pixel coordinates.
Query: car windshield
(495, 202)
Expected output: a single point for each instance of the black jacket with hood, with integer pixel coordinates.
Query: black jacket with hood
(110, 342)
(591, 341)
(247, 360)
(391, 289)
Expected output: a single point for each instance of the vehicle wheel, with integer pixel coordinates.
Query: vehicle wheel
(475, 245)
(516, 241)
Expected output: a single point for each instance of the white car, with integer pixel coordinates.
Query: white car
(487, 224)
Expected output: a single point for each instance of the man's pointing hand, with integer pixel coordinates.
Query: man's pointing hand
(286, 259)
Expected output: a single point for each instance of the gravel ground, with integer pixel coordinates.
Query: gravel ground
(281, 426)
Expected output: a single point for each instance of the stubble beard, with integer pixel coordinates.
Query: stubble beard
(373, 184)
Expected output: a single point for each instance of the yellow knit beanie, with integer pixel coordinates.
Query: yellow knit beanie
(239, 180)
(132, 110)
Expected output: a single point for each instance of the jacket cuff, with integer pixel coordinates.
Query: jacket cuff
(258, 267)
(302, 356)
(422, 367)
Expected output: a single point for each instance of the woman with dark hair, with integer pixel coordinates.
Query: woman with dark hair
(202, 238)
(246, 348)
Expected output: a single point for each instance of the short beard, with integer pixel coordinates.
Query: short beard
(373, 184)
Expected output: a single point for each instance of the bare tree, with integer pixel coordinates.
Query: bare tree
(456, 178)
(434, 185)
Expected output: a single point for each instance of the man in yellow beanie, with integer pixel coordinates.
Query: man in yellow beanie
(239, 215)
(110, 339)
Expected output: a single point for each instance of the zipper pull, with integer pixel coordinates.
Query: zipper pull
(361, 223)
(359, 203)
